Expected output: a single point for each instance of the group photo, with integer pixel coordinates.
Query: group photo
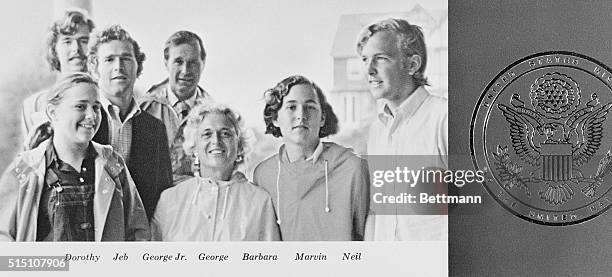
(306, 138)
(219, 127)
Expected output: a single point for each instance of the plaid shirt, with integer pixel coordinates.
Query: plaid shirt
(120, 131)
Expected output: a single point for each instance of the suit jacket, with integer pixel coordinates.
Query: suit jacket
(149, 162)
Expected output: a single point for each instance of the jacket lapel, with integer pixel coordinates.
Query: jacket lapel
(102, 136)
(143, 140)
(105, 189)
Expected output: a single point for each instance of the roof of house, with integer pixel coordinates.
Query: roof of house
(350, 25)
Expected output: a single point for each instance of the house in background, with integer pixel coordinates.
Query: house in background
(352, 102)
(60, 6)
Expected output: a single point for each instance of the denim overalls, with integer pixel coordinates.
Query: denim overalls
(66, 204)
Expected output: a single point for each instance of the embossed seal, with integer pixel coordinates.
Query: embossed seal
(542, 133)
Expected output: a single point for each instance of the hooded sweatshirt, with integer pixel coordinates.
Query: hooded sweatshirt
(203, 209)
(325, 198)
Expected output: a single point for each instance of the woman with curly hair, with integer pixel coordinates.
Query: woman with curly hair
(219, 203)
(320, 189)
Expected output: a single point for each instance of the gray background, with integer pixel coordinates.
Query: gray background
(485, 37)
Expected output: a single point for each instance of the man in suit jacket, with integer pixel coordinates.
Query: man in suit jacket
(116, 61)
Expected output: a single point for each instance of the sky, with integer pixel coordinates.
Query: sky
(251, 45)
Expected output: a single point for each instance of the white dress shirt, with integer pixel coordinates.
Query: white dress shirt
(418, 126)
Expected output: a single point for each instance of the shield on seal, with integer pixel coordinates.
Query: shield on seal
(541, 132)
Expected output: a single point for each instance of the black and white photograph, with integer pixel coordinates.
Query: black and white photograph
(172, 124)
(181, 109)
(294, 138)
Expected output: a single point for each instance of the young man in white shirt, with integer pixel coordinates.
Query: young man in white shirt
(66, 53)
(410, 120)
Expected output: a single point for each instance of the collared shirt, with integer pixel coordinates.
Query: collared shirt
(313, 158)
(66, 186)
(120, 131)
(181, 108)
(418, 126)
(162, 103)
(87, 167)
(191, 101)
(317, 152)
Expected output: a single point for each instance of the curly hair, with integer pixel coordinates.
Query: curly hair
(196, 117)
(114, 32)
(411, 41)
(274, 100)
(67, 25)
(184, 37)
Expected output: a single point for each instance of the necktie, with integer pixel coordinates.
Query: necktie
(182, 109)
